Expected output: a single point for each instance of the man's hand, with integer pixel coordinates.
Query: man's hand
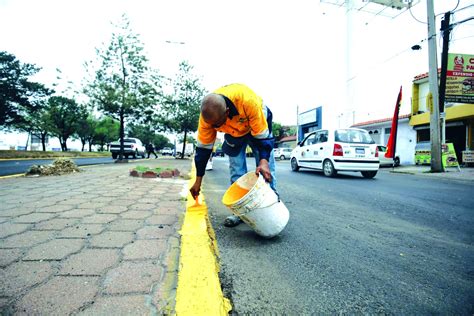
(196, 188)
(264, 169)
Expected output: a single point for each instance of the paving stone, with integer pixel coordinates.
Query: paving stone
(59, 296)
(8, 256)
(155, 232)
(77, 213)
(136, 214)
(132, 277)
(144, 249)
(22, 275)
(55, 224)
(74, 201)
(55, 249)
(123, 202)
(57, 208)
(152, 200)
(91, 204)
(81, 231)
(126, 224)
(111, 239)
(99, 218)
(176, 205)
(26, 239)
(34, 217)
(90, 262)
(112, 209)
(118, 305)
(142, 207)
(17, 211)
(162, 220)
(7, 229)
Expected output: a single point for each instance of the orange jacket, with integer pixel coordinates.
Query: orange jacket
(245, 116)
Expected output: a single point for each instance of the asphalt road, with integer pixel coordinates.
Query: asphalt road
(396, 244)
(11, 167)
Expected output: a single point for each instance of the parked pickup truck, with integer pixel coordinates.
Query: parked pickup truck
(131, 147)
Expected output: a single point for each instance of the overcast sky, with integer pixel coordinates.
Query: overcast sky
(292, 53)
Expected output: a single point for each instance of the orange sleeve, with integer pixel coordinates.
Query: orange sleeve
(206, 134)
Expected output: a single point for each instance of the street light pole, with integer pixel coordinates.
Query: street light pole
(436, 163)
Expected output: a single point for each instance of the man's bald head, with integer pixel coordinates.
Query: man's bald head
(213, 108)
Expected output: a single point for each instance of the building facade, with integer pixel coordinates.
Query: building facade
(459, 118)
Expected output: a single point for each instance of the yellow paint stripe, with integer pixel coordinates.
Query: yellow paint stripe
(199, 291)
(13, 176)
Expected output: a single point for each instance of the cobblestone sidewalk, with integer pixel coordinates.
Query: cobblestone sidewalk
(94, 242)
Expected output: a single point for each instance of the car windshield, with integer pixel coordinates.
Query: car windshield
(353, 136)
(128, 140)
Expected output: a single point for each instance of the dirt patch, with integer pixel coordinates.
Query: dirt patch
(58, 167)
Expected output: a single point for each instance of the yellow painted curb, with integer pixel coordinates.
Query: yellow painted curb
(13, 176)
(199, 290)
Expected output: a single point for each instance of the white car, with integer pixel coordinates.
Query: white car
(282, 153)
(387, 161)
(330, 151)
(131, 147)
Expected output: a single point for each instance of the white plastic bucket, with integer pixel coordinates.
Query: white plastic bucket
(254, 201)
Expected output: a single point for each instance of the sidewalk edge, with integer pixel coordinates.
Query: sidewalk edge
(199, 290)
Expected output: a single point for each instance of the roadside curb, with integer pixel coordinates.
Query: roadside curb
(199, 290)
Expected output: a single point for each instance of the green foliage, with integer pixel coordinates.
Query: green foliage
(86, 127)
(161, 141)
(17, 93)
(124, 86)
(280, 131)
(106, 131)
(147, 135)
(180, 110)
(64, 114)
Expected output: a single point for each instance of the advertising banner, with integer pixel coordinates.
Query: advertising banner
(460, 78)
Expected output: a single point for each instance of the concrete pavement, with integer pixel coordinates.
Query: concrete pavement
(94, 242)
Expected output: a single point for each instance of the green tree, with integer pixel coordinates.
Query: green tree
(106, 131)
(180, 110)
(141, 131)
(124, 85)
(277, 130)
(161, 141)
(64, 114)
(17, 93)
(86, 127)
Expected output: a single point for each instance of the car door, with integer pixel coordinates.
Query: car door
(305, 154)
(320, 148)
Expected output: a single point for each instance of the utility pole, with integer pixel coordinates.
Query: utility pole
(436, 163)
(446, 29)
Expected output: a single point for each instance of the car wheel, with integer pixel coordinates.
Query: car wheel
(294, 165)
(282, 157)
(114, 156)
(328, 168)
(368, 174)
(396, 161)
(135, 154)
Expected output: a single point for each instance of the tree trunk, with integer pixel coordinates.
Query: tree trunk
(184, 144)
(122, 135)
(43, 141)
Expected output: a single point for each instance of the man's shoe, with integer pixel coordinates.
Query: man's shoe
(232, 221)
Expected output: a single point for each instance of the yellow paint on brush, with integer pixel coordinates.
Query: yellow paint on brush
(233, 194)
(199, 291)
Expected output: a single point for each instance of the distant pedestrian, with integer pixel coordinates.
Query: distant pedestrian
(151, 150)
